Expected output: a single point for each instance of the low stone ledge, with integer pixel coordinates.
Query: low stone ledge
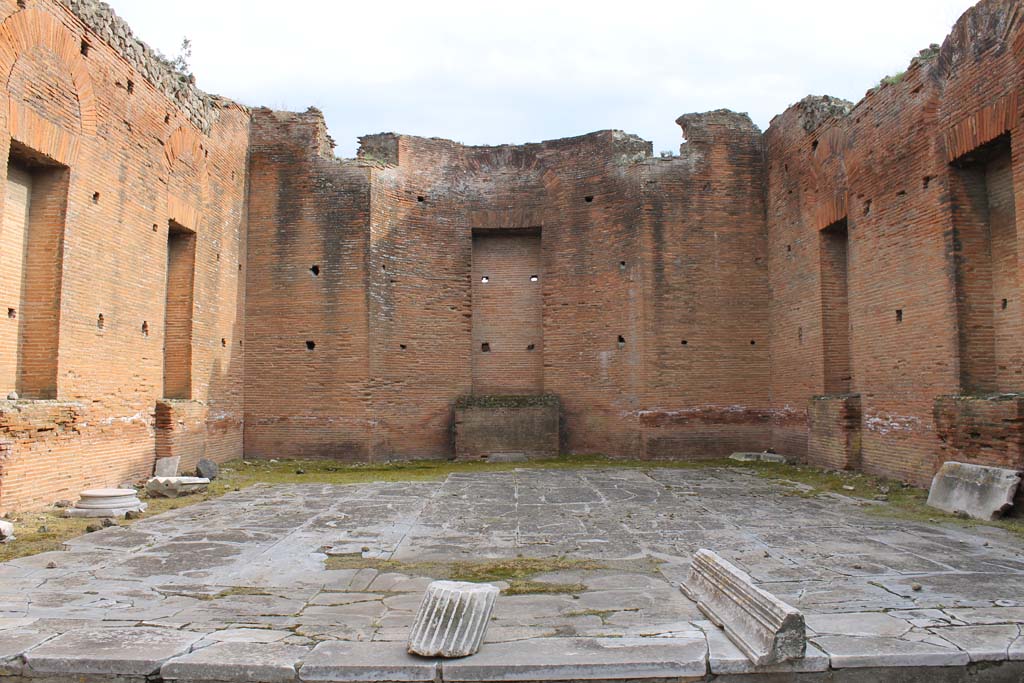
(505, 427)
(725, 658)
(136, 651)
(14, 644)
(582, 659)
(975, 490)
(765, 629)
(853, 652)
(759, 457)
(237, 661)
(353, 662)
(983, 643)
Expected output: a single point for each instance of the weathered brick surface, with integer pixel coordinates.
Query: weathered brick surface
(730, 298)
(517, 426)
(134, 162)
(834, 426)
(651, 292)
(925, 283)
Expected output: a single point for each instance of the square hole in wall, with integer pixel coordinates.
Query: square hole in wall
(899, 315)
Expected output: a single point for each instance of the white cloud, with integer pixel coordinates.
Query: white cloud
(492, 73)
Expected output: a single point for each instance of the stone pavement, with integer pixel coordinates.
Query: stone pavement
(236, 588)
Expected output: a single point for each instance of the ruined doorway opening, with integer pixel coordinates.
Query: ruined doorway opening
(181, 260)
(31, 256)
(507, 304)
(988, 292)
(835, 308)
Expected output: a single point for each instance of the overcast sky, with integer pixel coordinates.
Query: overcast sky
(484, 72)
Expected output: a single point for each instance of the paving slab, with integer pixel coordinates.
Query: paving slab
(858, 624)
(233, 661)
(851, 652)
(981, 643)
(116, 651)
(250, 566)
(580, 659)
(15, 643)
(366, 662)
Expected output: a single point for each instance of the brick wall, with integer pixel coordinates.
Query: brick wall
(508, 323)
(930, 253)
(650, 298)
(134, 161)
(728, 298)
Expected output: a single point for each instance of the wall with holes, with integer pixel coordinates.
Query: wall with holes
(845, 288)
(925, 174)
(632, 288)
(98, 161)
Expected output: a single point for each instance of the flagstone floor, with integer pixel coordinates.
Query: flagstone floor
(250, 568)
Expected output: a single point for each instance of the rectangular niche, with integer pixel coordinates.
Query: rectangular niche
(508, 326)
(835, 307)
(31, 256)
(988, 292)
(181, 267)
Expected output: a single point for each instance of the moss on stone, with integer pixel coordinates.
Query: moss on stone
(517, 401)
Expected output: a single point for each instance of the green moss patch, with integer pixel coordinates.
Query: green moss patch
(525, 401)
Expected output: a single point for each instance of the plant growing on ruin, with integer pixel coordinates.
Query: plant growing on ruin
(181, 61)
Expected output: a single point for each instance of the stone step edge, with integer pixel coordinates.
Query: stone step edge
(19, 666)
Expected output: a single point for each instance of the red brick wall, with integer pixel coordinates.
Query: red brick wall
(508, 324)
(135, 161)
(306, 210)
(886, 167)
(635, 256)
(686, 307)
(501, 426)
(834, 431)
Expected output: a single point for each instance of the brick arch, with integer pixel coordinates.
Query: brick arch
(185, 144)
(31, 28)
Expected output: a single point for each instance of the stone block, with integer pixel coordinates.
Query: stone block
(207, 469)
(106, 503)
(452, 619)
(499, 425)
(366, 662)
(758, 457)
(581, 659)
(764, 628)
(6, 532)
(976, 490)
(234, 661)
(109, 651)
(172, 487)
(167, 467)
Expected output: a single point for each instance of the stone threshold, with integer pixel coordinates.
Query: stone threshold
(137, 654)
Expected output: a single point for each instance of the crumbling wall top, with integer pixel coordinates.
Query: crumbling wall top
(201, 108)
(814, 110)
(707, 127)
